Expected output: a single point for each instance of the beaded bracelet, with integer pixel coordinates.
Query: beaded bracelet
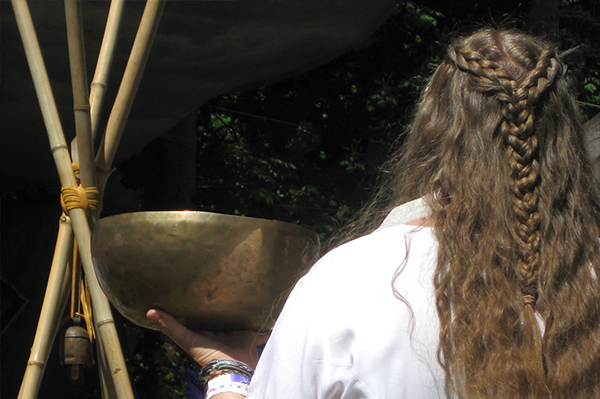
(236, 375)
(235, 383)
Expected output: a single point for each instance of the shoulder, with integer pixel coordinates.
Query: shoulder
(346, 285)
(391, 242)
(377, 254)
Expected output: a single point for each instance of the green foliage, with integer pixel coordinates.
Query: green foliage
(307, 150)
(156, 372)
(580, 33)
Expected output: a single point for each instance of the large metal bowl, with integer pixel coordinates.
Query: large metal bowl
(210, 271)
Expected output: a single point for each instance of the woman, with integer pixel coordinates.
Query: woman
(486, 285)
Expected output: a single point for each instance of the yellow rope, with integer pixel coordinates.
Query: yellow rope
(81, 303)
(86, 303)
(79, 197)
(75, 277)
(86, 198)
(76, 170)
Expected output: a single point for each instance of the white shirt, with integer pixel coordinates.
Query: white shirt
(344, 332)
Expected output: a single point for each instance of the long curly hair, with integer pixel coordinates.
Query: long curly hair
(497, 149)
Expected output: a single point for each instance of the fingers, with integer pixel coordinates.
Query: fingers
(195, 344)
(167, 324)
(204, 346)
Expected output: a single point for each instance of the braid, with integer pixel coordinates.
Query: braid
(522, 144)
(518, 132)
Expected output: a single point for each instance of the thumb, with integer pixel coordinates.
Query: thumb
(201, 348)
(167, 324)
(204, 346)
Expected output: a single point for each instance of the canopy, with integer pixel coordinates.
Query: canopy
(202, 49)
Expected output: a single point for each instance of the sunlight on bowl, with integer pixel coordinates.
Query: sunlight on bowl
(210, 271)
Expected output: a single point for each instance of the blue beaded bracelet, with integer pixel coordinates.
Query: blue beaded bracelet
(237, 372)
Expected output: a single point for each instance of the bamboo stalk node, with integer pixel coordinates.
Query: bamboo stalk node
(59, 147)
(99, 84)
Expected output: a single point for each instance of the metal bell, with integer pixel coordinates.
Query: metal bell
(77, 349)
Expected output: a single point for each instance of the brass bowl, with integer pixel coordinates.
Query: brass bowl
(210, 271)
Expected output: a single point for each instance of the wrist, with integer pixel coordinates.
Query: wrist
(225, 376)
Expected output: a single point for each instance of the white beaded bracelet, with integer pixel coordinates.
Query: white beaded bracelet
(234, 383)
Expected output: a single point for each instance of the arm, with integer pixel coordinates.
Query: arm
(204, 347)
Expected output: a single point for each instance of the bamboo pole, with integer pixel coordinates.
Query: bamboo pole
(107, 386)
(103, 320)
(82, 146)
(55, 299)
(105, 59)
(105, 326)
(43, 90)
(81, 106)
(128, 88)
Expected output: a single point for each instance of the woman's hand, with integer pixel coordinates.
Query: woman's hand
(204, 346)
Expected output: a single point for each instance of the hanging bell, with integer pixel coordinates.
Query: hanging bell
(77, 349)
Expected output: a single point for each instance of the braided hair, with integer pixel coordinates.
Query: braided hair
(497, 149)
(517, 129)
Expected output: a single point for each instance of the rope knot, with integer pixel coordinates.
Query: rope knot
(79, 197)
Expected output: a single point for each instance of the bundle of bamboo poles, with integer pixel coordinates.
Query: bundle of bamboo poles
(94, 171)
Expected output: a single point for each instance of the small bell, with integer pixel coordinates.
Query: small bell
(77, 349)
